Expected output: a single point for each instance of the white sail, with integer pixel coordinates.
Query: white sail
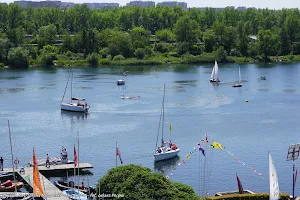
(212, 76)
(216, 77)
(274, 187)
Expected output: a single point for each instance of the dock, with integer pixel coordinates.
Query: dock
(50, 190)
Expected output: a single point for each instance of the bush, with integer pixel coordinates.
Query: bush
(221, 54)
(160, 47)
(46, 59)
(105, 61)
(92, 59)
(259, 196)
(118, 58)
(18, 57)
(104, 52)
(137, 182)
(139, 53)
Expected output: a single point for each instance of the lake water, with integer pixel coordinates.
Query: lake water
(30, 99)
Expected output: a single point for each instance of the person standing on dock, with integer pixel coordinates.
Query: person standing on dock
(48, 161)
(1, 163)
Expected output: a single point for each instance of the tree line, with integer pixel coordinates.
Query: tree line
(41, 36)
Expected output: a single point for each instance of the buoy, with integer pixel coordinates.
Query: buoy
(246, 100)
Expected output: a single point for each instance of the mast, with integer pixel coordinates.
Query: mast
(66, 87)
(71, 85)
(163, 120)
(78, 161)
(116, 154)
(12, 156)
(240, 75)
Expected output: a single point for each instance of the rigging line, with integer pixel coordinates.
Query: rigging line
(66, 86)
(210, 169)
(159, 124)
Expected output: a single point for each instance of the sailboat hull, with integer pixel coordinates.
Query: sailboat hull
(237, 85)
(166, 155)
(120, 82)
(74, 107)
(214, 81)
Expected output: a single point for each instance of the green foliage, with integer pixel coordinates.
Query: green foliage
(18, 57)
(4, 46)
(157, 30)
(48, 55)
(139, 53)
(137, 182)
(268, 43)
(165, 35)
(221, 54)
(93, 59)
(260, 196)
(119, 58)
(47, 35)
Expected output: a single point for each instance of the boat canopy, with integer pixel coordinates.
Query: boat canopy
(77, 99)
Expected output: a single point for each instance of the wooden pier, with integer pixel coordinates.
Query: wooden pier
(50, 190)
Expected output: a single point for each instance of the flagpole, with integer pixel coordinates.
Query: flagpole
(12, 156)
(74, 168)
(78, 159)
(116, 154)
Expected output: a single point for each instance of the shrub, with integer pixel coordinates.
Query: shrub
(139, 53)
(118, 58)
(18, 57)
(92, 59)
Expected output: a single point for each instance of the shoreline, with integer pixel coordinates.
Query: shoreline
(155, 61)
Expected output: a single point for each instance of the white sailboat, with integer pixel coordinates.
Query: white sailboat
(167, 150)
(239, 84)
(274, 187)
(79, 105)
(214, 77)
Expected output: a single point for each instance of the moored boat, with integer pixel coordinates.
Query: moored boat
(62, 185)
(121, 82)
(167, 150)
(75, 194)
(9, 186)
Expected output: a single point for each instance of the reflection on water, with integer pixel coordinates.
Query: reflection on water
(74, 115)
(10, 77)
(165, 166)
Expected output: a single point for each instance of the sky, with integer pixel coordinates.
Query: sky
(271, 4)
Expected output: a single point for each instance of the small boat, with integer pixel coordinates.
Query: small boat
(79, 106)
(263, 78)
(239, 84)
(9, 186)
(129, 97)
(167, 150)
(75, 194)
(62, 185)
(214, 77)
(121, 82)
(233, 192)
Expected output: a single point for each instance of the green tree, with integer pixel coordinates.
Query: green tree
(47, 35)
(165, 35)
(120, 43)
(48, 55)
(136, 182)
(4, 48)
(18, 57)
(268, 43)
(139, 37)
(186, 30)
(209, 39)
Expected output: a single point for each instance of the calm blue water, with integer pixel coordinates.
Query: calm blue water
(30, 99)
